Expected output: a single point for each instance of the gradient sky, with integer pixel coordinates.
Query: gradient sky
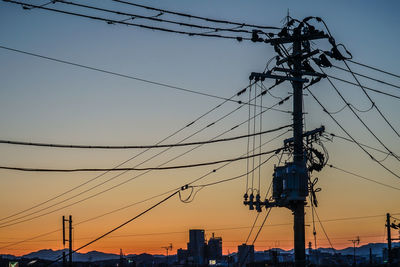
(43, 101)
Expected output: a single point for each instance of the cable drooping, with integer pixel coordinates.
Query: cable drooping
(198, 17)
(358, 117)
(155, 18)
(22, 143)
(135, 169)
(351, 137)
(370, 99)
(111, 21)
(11, 222)
(152, 197)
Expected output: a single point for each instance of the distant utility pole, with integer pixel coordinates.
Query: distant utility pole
(69, 240)
(355, 241)
(389, 238)
(390, 225)
(167, 248)
(290, 184)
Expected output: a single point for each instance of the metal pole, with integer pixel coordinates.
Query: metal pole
(70, 241)
(298, 206)
(389, 238)
(64, 264)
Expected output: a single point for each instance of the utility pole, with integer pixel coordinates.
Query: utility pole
(389, 238)
(355, 241)
(390, 225)
(69, 241)
(64, 264)
(290, 182)
(167, 249)
(298, 205)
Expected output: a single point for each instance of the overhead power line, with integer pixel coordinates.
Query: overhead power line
(133, 16)
(137, 146)
(12, 221)
(374, 68)
(351, 137)
(365, 87)
(370, 147)
(119, 226)
(137, 169)
(363, 177)
(139, 79)
(372, 102)
(367, 77)
(112, 21)
(359, 118)
(197, 17)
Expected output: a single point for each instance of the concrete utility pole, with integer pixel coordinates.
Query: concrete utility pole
(290, 183)
(389, 238)
(69, 240)
(298, 205)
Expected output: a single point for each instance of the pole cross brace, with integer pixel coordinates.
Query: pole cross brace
(261, 76)
(301, 73)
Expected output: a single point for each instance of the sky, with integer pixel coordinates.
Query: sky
(45, 101)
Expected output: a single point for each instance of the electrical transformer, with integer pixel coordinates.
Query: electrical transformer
(290, 183)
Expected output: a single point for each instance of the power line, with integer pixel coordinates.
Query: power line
(119, 226)
(367, 146)
(367, 77)
(215, 29)
(138, 169)
(363, 177)
(140, 79)
(133, 146)
(118, 74)
(365, 87)
(351, 137)
(358, 117)
(323, 228)
(76, 187)
(150, 198)
(372, 102)
(219, 229)
(373, 68)
(197, 17)
(111, 21)
(12, 222)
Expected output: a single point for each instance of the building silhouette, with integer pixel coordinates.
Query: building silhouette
(245, 254)
(196, 247)
(214, 249)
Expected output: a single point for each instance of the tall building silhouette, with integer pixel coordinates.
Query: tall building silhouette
(214, 248)
(196, 246)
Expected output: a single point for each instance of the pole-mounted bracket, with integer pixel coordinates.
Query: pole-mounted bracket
(261, 76)
(301, 72)
(310, 135)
